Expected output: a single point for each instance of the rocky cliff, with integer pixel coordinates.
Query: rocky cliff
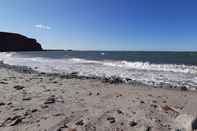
(17, 42)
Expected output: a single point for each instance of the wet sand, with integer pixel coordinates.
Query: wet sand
(31, 101)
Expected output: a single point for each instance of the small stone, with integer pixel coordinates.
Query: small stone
(27, 98)
(18, 87)
(97, 93)
(122, 124)
(111, 119)
(142, 102)
(34, 110)
(194, 124)
(119, 112)
(153, 105)
(50, 100)
(133, 123)
(2, 103)
(90, 93)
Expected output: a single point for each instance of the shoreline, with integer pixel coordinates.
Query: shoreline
(111, 79)
(32, 101)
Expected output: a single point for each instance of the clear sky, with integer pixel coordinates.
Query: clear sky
(104, 24)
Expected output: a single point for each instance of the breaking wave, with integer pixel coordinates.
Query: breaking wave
(144, 72)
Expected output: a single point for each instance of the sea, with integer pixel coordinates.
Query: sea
(174, 69)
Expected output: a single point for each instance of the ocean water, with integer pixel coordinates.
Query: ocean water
(175, 69)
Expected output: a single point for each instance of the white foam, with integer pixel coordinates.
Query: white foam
(140, 71)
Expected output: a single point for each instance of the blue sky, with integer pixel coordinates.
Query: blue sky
(104, 24)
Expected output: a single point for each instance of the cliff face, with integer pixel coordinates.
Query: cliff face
(17, 42)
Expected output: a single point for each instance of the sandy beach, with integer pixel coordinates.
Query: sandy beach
(32, 101)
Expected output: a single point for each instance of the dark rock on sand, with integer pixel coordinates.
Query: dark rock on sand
(2, 82)
(2, 103)
(17, 42)
(18, 87)
(27, 98)
(133, 123)
(111, 119)
(50, 100)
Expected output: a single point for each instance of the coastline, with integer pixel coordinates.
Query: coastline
(31, 101)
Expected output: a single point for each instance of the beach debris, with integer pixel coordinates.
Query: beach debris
(167, 108)
(111, 119)
(18, 87)
(132, 123)
(50, 100)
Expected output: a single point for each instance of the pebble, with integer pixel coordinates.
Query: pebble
(111, 119)
(90, 93)
(50, 100)
(2, 103)
(18, 87)
(133, 123)
(119, 112)
(27, 98)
